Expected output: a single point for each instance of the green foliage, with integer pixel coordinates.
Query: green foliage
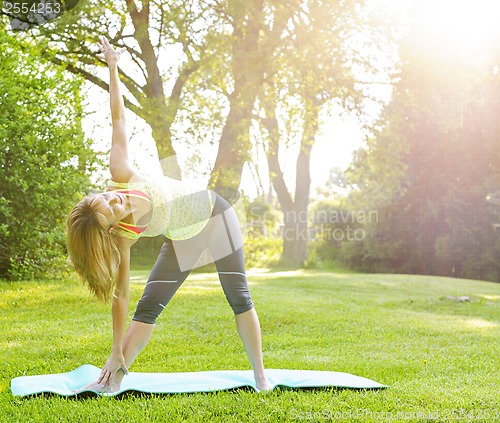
(263, 243)
(145, 252)
(428, 170)
(333, 227)
(43, 160)
(261, 251)
(262, 217)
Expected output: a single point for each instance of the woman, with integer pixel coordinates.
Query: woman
(102, 228)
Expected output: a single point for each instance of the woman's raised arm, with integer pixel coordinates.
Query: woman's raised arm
(119, 165)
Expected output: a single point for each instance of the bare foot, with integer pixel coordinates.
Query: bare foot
(263, 385)
(97, 387)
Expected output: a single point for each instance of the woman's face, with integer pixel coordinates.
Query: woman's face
(113, 206)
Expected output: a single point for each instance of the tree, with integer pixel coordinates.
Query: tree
(312, 70)
(148, 30)
(44, 160)
(258, 27)
(204, 30)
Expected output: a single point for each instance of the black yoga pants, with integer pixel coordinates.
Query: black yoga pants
(222, 237)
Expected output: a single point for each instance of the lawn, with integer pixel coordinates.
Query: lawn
(439, 356)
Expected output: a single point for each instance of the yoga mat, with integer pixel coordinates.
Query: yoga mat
(169, 383)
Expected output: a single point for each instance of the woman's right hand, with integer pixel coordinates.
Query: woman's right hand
(115, 363)
(108, 53)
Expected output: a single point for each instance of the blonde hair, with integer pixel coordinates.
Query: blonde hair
(92, 249)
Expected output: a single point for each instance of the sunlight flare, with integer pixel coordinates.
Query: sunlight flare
(469, 28)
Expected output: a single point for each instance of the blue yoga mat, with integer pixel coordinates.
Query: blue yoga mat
(169, 383)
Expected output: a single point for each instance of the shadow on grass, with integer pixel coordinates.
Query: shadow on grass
(89, 395)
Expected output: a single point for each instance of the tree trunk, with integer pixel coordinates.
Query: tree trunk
(253, 47)
(156, 112)
(295, 212)
(234, 146)
(295, 241)
(295, 238)
(248, 72)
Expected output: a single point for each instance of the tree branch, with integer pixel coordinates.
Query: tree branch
(140, 21)
(96, 81)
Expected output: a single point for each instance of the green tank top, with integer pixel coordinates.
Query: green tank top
(179, 210)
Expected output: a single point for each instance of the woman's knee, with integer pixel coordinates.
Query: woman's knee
(156, 296)
(147, 311)
(235, 287)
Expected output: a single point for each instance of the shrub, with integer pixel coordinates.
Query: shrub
(44, 160)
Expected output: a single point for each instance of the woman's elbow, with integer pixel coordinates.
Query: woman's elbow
(122, 173)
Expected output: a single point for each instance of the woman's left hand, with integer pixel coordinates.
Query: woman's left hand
(108, 53)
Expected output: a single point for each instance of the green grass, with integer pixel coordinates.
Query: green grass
(439, 357)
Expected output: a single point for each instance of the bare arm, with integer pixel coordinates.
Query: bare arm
(119, 165)
(121, 298)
